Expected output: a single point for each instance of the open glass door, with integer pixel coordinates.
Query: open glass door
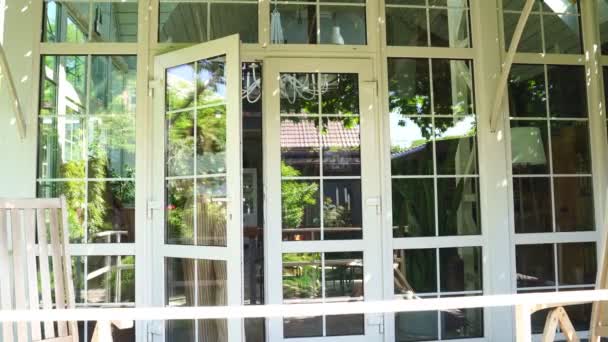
(322, 177)
(197, 178)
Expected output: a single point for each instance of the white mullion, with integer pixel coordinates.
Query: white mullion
(438, 280)
(195, 284)
(195, 156)
(208, 24)
(321, 183)
(556, 263)
(318, 21)
(434, 146)
(87, 119)
(323, 317)
(428, 23)
(91, 24)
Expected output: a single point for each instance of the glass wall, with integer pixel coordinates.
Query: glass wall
(551, 164)
(86, 152)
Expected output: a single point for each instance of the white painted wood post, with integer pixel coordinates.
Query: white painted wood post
(523, 325)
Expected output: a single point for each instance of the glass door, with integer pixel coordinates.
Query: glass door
(197, 234)
(321, 167)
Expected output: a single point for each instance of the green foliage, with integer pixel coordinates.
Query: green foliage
(296, 196)
(303, 280)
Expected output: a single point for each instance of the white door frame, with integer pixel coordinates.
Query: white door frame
(371, 243)
(232, 253)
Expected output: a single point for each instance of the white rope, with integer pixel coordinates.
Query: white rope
(294, 310)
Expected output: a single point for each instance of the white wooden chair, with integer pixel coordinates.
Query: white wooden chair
(32, 231)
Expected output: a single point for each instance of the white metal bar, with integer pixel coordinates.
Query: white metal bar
(12, 91)
(502, 83)
(296, 310)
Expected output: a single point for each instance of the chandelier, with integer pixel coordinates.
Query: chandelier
(292, 86)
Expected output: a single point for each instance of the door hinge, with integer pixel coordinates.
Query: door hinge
(152, 205)
(153, 84)
(373, 84)
(376, 320)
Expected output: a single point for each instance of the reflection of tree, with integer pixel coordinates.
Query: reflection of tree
(295, 197)
(336, 215)
(303, 280)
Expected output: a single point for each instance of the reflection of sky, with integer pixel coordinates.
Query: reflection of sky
(405, 136)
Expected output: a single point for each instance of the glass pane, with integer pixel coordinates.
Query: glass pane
(531, 39)
(456, 145)
(115, 21)
(527, 93)
(212, 330)
(413, 207)
(570, 148)
(300, 210)
(560, 6)
(211, 140)
(180, 330)
(299, 147)
(211, 81)
(460, 269)
(301, 277)
(113, 85)
(228, 19)
(75, 194)
(532, 204)
(341, 146)
(529, 147)
(303, 327)
(66, 21)
(299, 93)
(574, 204)
(110, 279)
(449, 27)
(180, 144)
(342, 209)
(516, 5)
(415, 272)
(64, 85)
(461, 323)
(211, 212)
(111, 147)
(297, 23)
(458, 205)
(562, 34)
(179, 212)
(580, 315)
(416, 326)
(212, 285)
(341, 95)
(409, 86)
(567, 91)
(344, 325)
(406, 26)
(344, 275)
(411, 146)
(576, 263)
(61, 151)
(452, 87)
(343, 25)
(183, 22)
(111, 212)
(535, 265)
(180, 87)
(180, 282)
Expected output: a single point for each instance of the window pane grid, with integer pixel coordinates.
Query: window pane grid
(89, 157)
(550, 154)
(436, 148)
(552, 27)
(424, 23)
(419, 273)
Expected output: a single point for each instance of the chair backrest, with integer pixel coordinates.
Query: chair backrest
(34, 260)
